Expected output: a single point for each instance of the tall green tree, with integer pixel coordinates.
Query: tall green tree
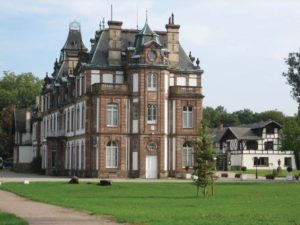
(204, 155)
(16, 91)
(293, 75)
(19, 90)
(291, 137)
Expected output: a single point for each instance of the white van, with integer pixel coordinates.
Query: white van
(1, 163)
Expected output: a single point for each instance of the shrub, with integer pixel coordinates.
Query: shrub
(237, 175)
(36, 164)
(224, 174)
(289, 169)
(275, 173)
(74, 180)
(270, 177)
(243, 168)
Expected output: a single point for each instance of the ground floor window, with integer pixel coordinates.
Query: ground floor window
(287, 161)
(53, 159)
(111, 155)
(261, 161)
(188, 155)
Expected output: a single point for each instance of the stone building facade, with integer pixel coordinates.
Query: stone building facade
(128, 107)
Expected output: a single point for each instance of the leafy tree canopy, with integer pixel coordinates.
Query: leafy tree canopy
(293, 74)
(19, 90)
(215, 117)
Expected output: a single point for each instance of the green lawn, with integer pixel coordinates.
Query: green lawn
(10, 219)
(175, 203)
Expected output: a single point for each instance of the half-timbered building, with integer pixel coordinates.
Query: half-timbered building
(256, 145)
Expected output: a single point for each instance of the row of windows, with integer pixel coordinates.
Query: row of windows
(264, 161)
(152, 112)
(112, 154)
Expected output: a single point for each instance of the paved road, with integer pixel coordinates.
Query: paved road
(36, 213)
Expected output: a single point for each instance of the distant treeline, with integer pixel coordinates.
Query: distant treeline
(214, 117)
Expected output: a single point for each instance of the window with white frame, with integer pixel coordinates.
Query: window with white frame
(78, 118)
(111, 155)
(152, 113)
(82, 116)
(188, 117)
(82, 156)
(152, 81)
(112, 115)
(188, 155)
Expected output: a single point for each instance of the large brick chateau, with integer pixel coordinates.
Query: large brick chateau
(129, 107)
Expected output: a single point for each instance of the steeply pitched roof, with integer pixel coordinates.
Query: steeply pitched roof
(130, 38)
(262, 124)
(74, 40)
(144, 36)
(244, 132)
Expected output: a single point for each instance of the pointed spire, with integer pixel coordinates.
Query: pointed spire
(103, 23)
(172, 18)
(147, 16)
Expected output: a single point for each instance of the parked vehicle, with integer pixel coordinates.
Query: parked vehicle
(8, 163)
(1, 163)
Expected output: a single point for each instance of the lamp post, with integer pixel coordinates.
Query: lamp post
(255, 159)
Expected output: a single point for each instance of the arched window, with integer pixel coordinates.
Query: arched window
(152, 81)
(111, 155)
(188, 155)
(188, 117)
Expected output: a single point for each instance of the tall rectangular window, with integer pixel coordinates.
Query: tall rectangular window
(82, 116)
(112, 115)
(188, 117)
(152, 81)
(152, 113)
(111, 155)
(188, 155)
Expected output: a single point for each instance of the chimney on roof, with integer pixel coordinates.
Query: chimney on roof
(114, 42)
(173, 41)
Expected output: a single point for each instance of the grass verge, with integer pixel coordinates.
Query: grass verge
(175, 203)
(10, 219)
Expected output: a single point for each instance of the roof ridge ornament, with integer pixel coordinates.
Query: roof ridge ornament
(74, 25)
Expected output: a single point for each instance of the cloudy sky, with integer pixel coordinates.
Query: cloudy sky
(241, 44)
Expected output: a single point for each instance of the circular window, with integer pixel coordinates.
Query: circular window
(152, 146)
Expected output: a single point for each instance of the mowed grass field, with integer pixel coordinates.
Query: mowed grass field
(10, 219)
(175, 203)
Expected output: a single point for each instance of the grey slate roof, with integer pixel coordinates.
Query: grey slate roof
(244, 132)
(134, 38)
(74, 41)
(261, 124)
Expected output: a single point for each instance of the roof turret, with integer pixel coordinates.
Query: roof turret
(74, 40)
(144, 36)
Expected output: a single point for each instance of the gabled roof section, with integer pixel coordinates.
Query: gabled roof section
(244, 133)
(146, 35)
(262, 124)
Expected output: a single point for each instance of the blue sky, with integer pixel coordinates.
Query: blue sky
(241, 44)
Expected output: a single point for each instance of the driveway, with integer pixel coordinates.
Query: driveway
(36, 213)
